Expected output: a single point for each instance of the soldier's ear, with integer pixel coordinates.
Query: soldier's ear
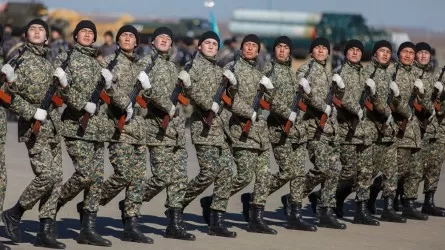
(199, 47)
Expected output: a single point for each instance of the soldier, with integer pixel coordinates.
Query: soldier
(213, 152)
(168, 154)
(57, 44)
(109, 46)
(127, 149)
(29, 85)
(86, 149)
(323, 147)
(432, 153)
(289, 149)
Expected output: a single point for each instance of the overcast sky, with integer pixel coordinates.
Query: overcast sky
(403, 13)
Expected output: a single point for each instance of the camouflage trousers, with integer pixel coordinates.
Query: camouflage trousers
(215, 165)
(432, 156)
(252, 162)
(410, 171)
(129, 163)
(46, 163)
(357, 168)
(3, 179)
(88, 161)
(169, 170)
(291, 160)
(326, 159)
(384, 156)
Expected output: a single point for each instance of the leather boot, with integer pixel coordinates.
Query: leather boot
(313, 199)
(410, 211)
(11, 218)
(175, 230)
(374, 191)
(399, 196)
(286, 206)
(344, 189)
(362, 215)
(132, 232)
(245, 200)
(296, 222)
(206, 202)
(88, 234)
(429, 207)
(4, 247)
(44, 238)
(121, 206)
(256, 222)
(79, 208)
(216, 226)
(389, 214)
(328, 220)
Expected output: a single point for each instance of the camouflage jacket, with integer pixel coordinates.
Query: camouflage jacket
(33, 78)
(206, 77)
(354, 79)
(163, 77)
(286, 87)
(83, 73)
(405, 77)
(124, 79)
(3, 115)
(320, 81)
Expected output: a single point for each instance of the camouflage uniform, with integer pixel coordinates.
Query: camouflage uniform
(3, 129)
(127, 149)
(168, 156)
(251, 152)
(34, 76)
(86, 150)
(289, 150)
(323, 145)
(214, 156)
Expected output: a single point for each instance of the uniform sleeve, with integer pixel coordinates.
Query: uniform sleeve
(18, 104)
(239, 106)
(199, 96)
(352, 94)
(117, 96)
(313, 100)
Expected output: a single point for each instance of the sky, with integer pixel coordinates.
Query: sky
(426, 14)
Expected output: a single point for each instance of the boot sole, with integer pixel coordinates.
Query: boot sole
(262, 232)
(221, 235)
(302, 229)
(86, 242)
(414, 218)
(178, 238)
(393, 221)
(8, 231)
(359, 222)
(136, 241)
(332, 227)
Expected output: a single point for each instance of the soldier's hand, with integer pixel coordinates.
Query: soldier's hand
(419, 85)
(231, 77)
(129, 111)
(254, 116)
(328, 110)
(90, 107)
(61, 75)
(439, 87)
(292, 117)
(395, 89)
(172, 111)
(360, 114)
(40, 115)
(265, 81)
(106, 74)
(215, 108)
(371, 84)
(8, 70)
(145, 81)
(339, 81)
(185, 78)
(304, 83)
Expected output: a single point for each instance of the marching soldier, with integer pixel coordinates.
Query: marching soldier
(166, 142)
(28, 85)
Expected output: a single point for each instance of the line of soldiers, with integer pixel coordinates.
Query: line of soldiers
(353, 124)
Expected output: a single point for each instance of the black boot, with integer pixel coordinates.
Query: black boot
(389, 214)
(296, 221)
(256, 222)
(344, 189)
(88, 234)
(44, 238)
(11, 218)
(216, 226)
(399, 196)
(313, 199)
(410, 211)
(286, 206)
(206, 202)
(245, 200)
(328, 220)
(121, 206)
(53, 229)
(175, 230)
(4, 247)
(374, 191)
(132, 232)
(362, 215)
(429, 207)
(79, 208)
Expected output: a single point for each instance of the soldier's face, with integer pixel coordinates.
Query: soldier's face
(423, 57)
(320, 53)
(282, 52)
(406, 56)
(354, 55)
(249, 50)
(209, 47)
(163, 43)
(36, 34)
(85, 37)
(127, 41)
(383, 55)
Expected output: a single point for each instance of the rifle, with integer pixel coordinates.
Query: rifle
(176, 95)
(220, 95)
(98, 94)
(15, 63)
(50, 96)
(331, 99)
(134, 95)
(258, 102)
(297, 103)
